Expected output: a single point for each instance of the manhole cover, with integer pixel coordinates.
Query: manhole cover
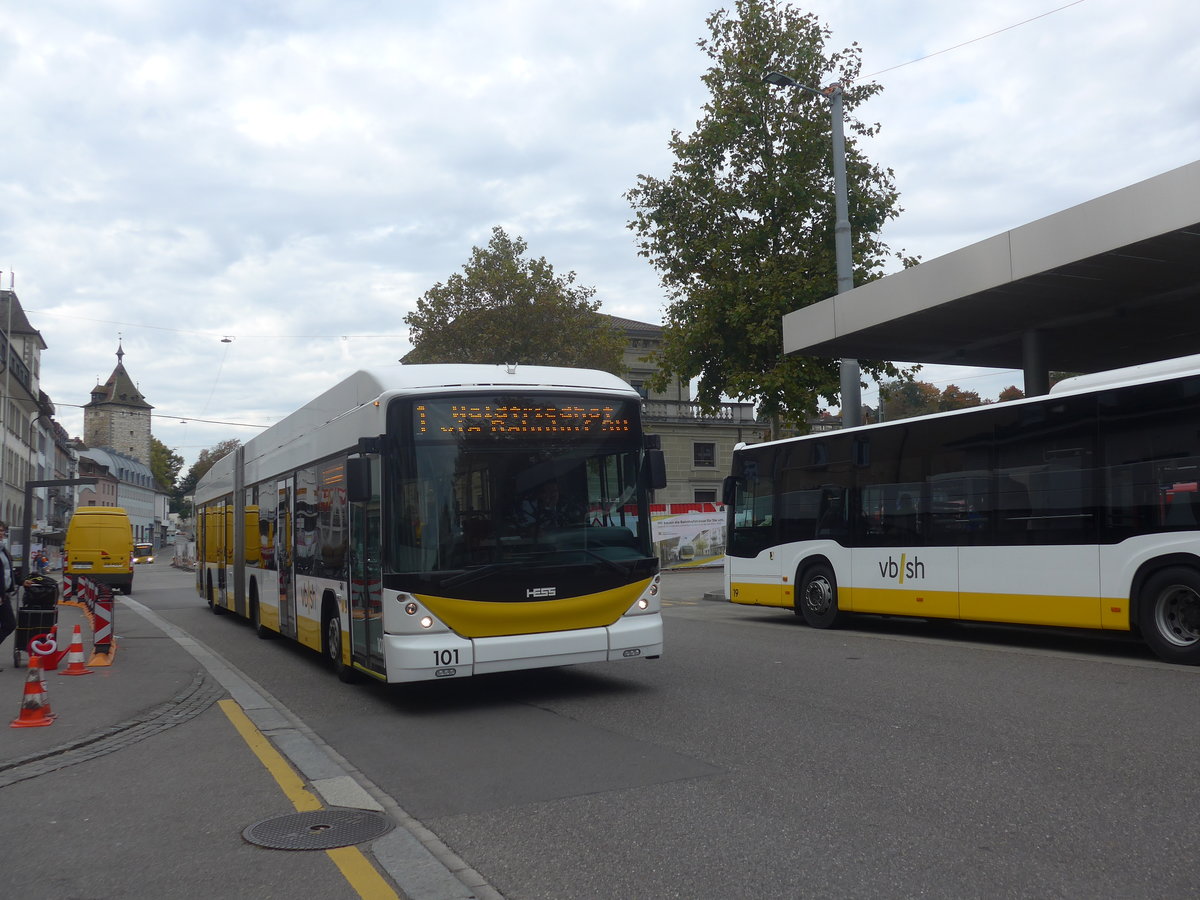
(322, 829)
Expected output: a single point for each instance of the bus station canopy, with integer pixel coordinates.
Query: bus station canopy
(1111, 282)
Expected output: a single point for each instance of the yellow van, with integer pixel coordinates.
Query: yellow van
(99, 545)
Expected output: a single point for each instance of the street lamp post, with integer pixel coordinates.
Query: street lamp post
(851, 399)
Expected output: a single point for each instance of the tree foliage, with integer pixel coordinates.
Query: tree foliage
(205, 461)
(164, 463)
(742, 231)
(505, 308)
(954, 397)
(903, 399)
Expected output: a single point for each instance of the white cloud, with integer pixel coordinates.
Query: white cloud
(294, 175)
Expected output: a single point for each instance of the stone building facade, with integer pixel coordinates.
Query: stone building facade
(21, 404)
(118, 416)
(698, 447)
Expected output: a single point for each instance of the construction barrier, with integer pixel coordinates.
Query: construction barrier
(45, 648)
(104, 645)
(35, 704)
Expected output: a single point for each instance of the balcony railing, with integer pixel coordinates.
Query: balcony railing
(690, 412)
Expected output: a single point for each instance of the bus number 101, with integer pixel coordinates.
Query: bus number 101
(445, 657)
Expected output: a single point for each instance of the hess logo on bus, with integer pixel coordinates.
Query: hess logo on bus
(540, 593)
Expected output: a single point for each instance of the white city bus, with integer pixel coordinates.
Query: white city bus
(1080, 509)
(399, 523)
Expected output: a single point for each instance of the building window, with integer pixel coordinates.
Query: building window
(704, 456)
(640, 387)
(705, 497)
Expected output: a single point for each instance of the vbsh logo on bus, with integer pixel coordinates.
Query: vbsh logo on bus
(904, 570)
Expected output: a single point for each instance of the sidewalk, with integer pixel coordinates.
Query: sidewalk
(142, 786)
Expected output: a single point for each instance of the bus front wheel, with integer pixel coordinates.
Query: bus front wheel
(817, 601)
(1169, 615)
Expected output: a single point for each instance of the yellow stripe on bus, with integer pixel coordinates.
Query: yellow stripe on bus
(1109, 613)
(478, 618)
(757, 594)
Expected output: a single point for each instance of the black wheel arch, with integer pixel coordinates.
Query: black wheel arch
(1146, 571)
(802, 568)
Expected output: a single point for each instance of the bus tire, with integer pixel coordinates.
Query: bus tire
(817, 601)
(260, 629)
(1169, 614)
(332, 631)
(212, 601)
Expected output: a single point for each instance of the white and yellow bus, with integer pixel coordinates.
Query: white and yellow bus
(1079, 509)
(425, 522)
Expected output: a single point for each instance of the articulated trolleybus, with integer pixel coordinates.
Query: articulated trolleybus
(426, 522)
(1080, 509)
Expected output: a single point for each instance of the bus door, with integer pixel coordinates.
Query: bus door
(221, 535)
(284, 554)
(366, 579)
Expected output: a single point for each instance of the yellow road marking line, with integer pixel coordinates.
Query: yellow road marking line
(354, 866)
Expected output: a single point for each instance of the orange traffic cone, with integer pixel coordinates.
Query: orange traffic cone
(35, 707)
(75, 664)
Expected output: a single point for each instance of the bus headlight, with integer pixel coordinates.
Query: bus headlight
(411, 608)
(426, 622)
(643, 603)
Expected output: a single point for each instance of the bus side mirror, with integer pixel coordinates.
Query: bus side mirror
(656, 470)
(729, 489)
(358, 479)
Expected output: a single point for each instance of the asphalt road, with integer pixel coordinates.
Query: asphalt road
(760, 758)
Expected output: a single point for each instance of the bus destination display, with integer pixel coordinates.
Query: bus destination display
(458, 417)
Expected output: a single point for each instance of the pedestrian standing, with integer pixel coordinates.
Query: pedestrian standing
(8, 587)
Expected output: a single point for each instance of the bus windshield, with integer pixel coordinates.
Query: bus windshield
(517, 481)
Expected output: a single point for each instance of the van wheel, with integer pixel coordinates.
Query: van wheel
(333, 648)
(817, 601)
(1169, 615)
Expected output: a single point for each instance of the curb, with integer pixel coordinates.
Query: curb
(414, 858)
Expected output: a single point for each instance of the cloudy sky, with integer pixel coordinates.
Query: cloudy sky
(293, 175)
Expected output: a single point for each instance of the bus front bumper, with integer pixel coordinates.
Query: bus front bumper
(431, 656)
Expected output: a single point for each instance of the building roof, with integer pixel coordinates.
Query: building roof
(1112, 282)
(11, 306)
(119, 388)
(118, 464)
(632, 324)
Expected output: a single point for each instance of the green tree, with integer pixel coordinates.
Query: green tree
(505, 308)
(164, 463)
(742, 231)
(205, 461)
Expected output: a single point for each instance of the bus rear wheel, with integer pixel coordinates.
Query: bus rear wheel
(212, 601)
(1169, 615)
(333, 648)
(817, 601)
(263, 632)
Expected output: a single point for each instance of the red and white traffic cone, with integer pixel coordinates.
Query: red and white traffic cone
(35, 705)
(75, 664)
